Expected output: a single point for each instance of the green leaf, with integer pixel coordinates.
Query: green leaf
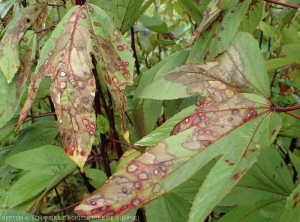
(163, 131)
(160, 69)
(8, 129)
(190, 188)
(102, 124)
(291, 211)
(154, 23)
(97, 177)
(145, 114)
(271, 32)
(43, 175)
(40, 158)
(5, 7)
(192, 9)
(216, 37)
(234, 68)
(126, 12)
(296, 161)
(291, 51)
(252, 17)
(9, 51)
(168, 208)
(42, 132)
(273, 64)
(262, 192)
(11, 94)
(290, 126)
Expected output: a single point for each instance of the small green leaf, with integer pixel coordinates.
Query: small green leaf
(192, 9)
(102, 124)
(5, 7)
(290, 126)
(126, 12)
(154, 23)
(291, 210)
(252, 17)
(273, 64)
(291, 51)
(296, 161)
(168, 208)
(163, 131)
(97, 177)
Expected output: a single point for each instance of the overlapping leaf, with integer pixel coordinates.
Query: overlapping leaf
(11, 93)
(233, 68)
(85, 36)
(216, 37)
(126, 12)
(210, 132)
(9, 51)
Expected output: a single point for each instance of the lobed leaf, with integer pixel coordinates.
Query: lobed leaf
(262, 191)
(9, 51)
(204, 136)
(85, 37)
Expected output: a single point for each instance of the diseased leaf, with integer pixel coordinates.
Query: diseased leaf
(9, 51)
(85, 37)
(232, 72)
(205, 135)
(216, 37)
(11, 94)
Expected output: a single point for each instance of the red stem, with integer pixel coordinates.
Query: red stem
(286, 109)
(293, 115)
(283, 4)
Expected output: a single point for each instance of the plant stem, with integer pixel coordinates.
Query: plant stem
(137, 64)
(286, 109)
(283, 4)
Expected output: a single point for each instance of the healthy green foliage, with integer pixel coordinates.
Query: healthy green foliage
(153, 110)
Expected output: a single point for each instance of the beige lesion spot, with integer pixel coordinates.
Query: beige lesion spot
(132, 168)
(63, 85)
(143, 176)
(156, 188)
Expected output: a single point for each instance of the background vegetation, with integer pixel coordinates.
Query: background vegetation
(210, 131)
